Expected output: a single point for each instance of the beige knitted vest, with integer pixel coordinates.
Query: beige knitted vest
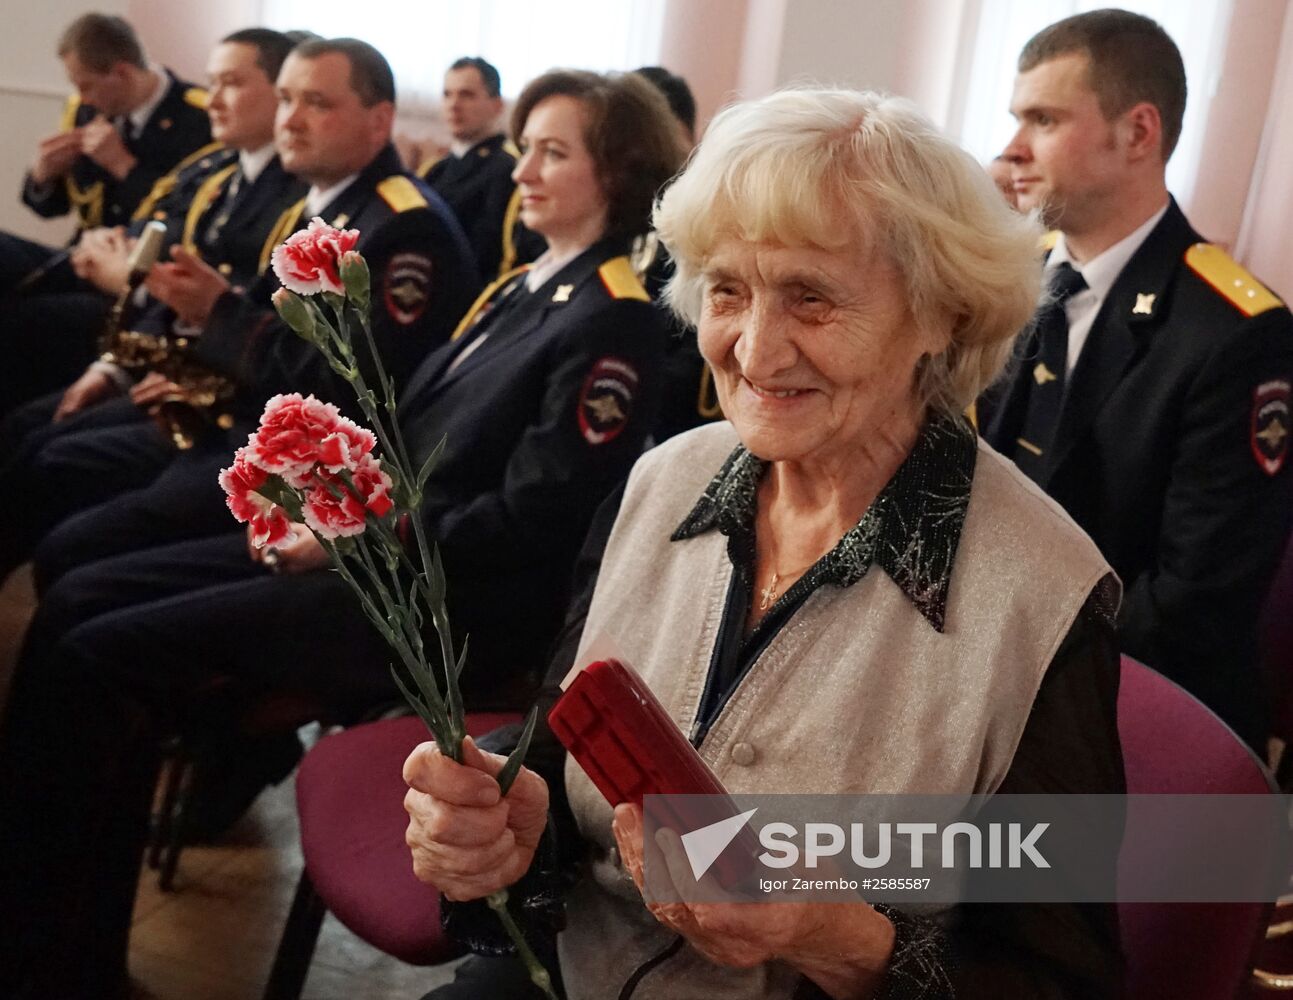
(857, 694)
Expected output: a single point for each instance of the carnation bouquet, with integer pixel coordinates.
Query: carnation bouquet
(357, 492)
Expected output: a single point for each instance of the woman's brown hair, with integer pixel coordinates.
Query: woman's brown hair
(630, 133)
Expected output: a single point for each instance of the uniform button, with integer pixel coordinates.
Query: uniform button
(743, 754)
(225, 269)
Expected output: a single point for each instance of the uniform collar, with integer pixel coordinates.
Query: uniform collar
(1102, 270)
(138, 118)
(911, 530)
(317, 200)
(458, 150)
(254, 161)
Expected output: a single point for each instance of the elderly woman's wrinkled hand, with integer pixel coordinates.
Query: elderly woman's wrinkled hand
(842, 948)
(468, 840)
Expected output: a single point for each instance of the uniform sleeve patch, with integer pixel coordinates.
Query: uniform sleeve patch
(1270, 425)
(406, 287)
(606, 399)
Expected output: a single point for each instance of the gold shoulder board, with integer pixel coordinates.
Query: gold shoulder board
(1049, 239)
(618, 277)
(426, 166)
(401, 194)
(68, 121)
(165, 184)
(510, 148)
(1231, 281)
(197, 97)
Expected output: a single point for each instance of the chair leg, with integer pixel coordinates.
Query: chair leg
(296, 947)
(175, 824)
(163, 818)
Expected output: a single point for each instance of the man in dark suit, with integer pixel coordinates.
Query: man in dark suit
(475, 176)
(1152, 398)
(128, 124)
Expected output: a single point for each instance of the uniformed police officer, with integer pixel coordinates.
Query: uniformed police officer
(222, 205)
(1152, 399)
(475, 176)
(546, 397)
(129, 124)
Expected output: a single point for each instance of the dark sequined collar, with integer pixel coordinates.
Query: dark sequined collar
(911, 530)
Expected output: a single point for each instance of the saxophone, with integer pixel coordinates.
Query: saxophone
(184, 414)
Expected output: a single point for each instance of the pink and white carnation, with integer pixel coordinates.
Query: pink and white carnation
(310, 261)
(330, 516)
(241, 481)
(297, 433)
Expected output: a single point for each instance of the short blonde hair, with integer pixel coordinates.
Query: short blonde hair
(826, 168)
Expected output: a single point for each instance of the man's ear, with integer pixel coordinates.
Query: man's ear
(382, 119)
(1141, 129)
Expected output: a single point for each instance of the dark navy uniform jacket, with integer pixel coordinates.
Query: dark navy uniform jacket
(177, 128)
(545, 400)
(213, 211)
(1171, 453)
(478, 186)
(423, 280)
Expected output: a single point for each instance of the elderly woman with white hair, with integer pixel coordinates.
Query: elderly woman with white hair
(838, 590)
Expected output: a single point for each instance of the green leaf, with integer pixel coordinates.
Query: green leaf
(438, 731)
(517, 757)
(452, 691)
(435, 576)
(432, 460)
(462, 657)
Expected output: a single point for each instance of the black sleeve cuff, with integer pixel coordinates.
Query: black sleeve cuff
(535, 902)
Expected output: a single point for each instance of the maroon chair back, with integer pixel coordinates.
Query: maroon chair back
(1173, 744)
(350, 799)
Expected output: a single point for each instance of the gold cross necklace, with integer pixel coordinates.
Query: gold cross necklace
(768, 595)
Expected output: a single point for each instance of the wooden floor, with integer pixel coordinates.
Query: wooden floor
(214, 937)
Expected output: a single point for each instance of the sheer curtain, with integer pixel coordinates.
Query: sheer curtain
(523, 38)
(997, 29)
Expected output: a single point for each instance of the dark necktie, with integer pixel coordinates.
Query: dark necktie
(1049, 362)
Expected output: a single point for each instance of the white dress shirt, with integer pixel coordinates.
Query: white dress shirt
(1100, 272)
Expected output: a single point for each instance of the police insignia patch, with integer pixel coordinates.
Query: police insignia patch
(1270, 425)
(406, 288)
(606, 400)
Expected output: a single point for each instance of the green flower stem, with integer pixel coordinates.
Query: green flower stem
(383, 600)
(538, 974)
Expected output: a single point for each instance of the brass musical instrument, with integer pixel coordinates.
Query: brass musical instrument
(186, 413)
